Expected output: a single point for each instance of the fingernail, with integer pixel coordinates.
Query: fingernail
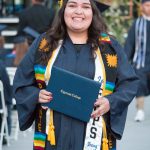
(92, 115)
(50, 98)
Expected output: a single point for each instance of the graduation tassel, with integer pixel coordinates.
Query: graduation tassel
(105, 144)
(104, 140)
(51, 130)
(60, 2)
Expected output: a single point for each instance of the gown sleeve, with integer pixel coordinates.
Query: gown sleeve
(129, 47)
(125, 90)
(25, 91)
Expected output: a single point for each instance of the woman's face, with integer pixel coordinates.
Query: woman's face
(78, 15)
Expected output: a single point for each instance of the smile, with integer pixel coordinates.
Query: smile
(78, 19)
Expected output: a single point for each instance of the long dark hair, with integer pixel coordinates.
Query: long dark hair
(58, 30)
(20, 49)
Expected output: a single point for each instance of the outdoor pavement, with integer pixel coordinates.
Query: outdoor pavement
(136, 135)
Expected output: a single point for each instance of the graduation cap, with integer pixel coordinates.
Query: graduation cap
(100, 5)
(30, 31)
(27, 33)
(143, 1)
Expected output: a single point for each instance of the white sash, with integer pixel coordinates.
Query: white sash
(51, 62)
(94, 126)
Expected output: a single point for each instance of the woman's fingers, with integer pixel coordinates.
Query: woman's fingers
(98, 112)
(45, 96)
(45, 92)
(102, 106)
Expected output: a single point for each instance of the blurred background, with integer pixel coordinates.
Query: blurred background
(118, 17)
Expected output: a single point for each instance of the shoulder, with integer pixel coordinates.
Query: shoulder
(39, 7)
(25, 11)
(44, 7)
(117, 47)
(46, 11)
(24, 14)
(121, 55)
(113, 44)
(109, 40)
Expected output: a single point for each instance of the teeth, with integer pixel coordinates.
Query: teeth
(77, 19)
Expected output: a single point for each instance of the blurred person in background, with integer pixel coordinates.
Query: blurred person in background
(137, 47)
(38, 17)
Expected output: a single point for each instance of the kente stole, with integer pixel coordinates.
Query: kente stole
(109, 58)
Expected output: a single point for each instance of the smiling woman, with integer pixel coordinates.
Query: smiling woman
(78, 17)
(77, 42)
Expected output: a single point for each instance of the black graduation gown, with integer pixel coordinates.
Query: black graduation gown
(142, 73)
(70, 132)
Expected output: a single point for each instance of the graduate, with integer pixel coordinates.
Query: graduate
(137, 47)
(77, 42)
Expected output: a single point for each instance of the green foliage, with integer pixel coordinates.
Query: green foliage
(117, 20)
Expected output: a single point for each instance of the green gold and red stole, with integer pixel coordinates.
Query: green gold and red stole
(110, 60)
(40, 136)
(109, 57)
(40, 122)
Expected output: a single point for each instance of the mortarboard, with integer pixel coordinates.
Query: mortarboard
(27, 32)
(100, 5)
(31, 32)
(143, 1)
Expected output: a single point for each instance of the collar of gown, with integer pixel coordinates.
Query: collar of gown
(146, 17)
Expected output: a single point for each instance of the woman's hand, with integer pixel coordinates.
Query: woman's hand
(102, 106)
(45, 97)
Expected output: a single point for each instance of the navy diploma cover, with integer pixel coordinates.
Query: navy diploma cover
(73, 95)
